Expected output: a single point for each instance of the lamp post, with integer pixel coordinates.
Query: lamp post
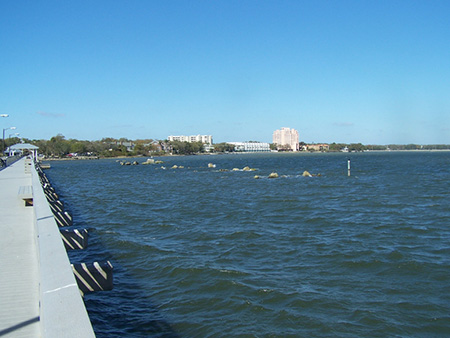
(3, 140)
(3, 115)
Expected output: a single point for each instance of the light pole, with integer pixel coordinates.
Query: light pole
(3, 144)
(3, 140)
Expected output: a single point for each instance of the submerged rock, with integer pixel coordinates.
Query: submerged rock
(149, 161)
(248, 169)
(273, 175)
(306, 174)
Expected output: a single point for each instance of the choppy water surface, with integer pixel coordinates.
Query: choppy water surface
(199, 252)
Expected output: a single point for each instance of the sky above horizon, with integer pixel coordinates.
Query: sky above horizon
(375, 72)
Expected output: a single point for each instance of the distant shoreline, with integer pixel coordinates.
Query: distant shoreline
(79, 158)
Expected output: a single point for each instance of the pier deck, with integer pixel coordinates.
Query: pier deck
(19, 267)
(39, 296)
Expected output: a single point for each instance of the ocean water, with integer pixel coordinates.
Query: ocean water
(202, 252)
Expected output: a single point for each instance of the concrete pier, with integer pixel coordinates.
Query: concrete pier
(39, 296)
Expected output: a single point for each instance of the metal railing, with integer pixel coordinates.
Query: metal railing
(62, 310)
(8, 160)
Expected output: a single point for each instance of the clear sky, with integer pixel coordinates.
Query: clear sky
(375, 72)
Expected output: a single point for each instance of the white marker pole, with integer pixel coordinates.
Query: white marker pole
(348, 166)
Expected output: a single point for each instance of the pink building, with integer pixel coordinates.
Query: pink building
(286, 137)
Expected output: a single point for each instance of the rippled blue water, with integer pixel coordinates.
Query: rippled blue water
(200, 252)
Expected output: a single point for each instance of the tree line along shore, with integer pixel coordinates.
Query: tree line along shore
(60, 147)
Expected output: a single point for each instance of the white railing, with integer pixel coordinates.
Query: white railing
(62, 310)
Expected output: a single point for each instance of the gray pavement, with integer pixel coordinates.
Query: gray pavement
(19, 271)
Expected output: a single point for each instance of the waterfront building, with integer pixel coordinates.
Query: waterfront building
(208, 148)
(317, 147)
(205, 139)
(251, 147)
(286, 137)
(23, 148)
(129, 145)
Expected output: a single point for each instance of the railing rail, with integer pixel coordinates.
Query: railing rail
(62, 310)
(8, 160)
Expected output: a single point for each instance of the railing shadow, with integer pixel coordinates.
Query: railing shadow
(127, 310)
(19, 326)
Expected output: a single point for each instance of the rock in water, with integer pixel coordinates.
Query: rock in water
(149, 161)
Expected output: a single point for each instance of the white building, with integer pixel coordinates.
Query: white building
(205, 139)
(250, 147)
(286, 137)
(21, 148)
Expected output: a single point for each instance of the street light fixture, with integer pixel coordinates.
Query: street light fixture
(3, 140)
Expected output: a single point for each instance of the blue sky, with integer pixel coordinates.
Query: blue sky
(375, 72)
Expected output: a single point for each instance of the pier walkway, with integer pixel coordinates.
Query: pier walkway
(39, 296)
(19, 274)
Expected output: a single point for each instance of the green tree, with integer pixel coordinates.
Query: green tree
(337, 146)
(223, 147)
(58, 146)
(412, 147)
(375, 147)
(78, 147)
(284, 147)
(186, 148)
(143, 147)
(356, 147)
(302, 146)
(11, 141)
(43, 147)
